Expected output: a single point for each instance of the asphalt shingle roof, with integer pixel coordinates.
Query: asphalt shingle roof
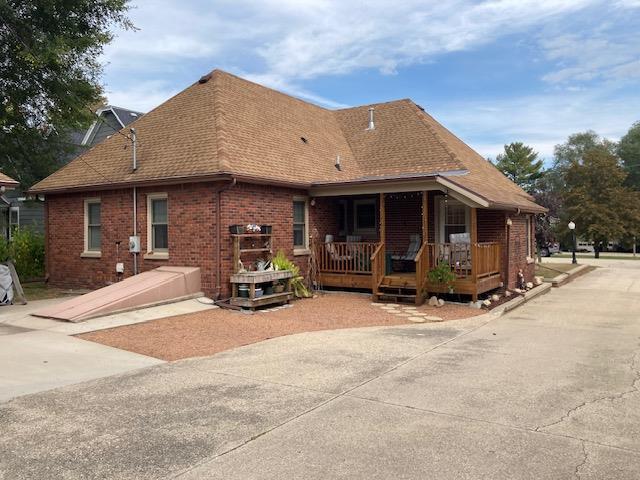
(228, 125)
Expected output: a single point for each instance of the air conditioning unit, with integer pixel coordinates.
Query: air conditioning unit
(134, 244)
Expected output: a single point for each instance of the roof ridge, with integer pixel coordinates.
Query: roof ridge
(220, 72)
(219, 122)
(365, 105)
(421, 115)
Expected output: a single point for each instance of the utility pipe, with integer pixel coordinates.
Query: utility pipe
(135, 228)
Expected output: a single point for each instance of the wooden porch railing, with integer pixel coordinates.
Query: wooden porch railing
(486, 258)
(466, 260)
(346, 257)
(377, 267)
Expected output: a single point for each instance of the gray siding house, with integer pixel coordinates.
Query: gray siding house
(19, 210)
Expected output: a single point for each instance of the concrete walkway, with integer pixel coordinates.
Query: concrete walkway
(38, 354)
(549, 391)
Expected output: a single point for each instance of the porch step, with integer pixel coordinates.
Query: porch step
(396, 281)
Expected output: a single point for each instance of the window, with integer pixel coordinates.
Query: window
(157, 223)
(364, 216)
(453, 218)
(93, 227)
(300, 224)
(14, 220)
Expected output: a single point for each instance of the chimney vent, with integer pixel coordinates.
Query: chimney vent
(372, 125)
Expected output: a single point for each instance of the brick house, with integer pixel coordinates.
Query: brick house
(368, 197)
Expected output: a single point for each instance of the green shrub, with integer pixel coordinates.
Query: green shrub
(26, 250)
(442, 275)
(281, 262)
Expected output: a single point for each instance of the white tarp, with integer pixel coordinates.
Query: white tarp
(6, 286)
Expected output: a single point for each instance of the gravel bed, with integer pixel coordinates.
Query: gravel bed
(211, 331)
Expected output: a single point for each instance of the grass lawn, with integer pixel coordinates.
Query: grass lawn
(550, 270)
(40, 291)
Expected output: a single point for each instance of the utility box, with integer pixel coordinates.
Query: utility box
(119, 267)
(134, 244)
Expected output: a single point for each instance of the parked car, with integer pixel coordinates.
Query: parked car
(549, 249)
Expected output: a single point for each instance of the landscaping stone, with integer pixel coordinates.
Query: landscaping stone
(417, 319)
(440, 302)
(529, 285)
(508, 293)
(495, 298)
(433, 301)
(487, 303)
(538, 280)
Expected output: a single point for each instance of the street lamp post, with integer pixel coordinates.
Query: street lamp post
(572, 227)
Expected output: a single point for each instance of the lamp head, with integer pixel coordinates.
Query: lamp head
(571, 226)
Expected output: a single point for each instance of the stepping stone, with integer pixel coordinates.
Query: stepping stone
(400, 314)
(433, 319)
(417, 319)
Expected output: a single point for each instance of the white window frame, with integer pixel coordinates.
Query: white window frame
(91, 253)
(364, 231)
(441, 216)
(11, 224)
(162, 253)
(304, 248)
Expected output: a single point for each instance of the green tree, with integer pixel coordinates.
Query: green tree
(520, 164)
(49, 77)
(575, 148)
(597, 200)
(629, 153)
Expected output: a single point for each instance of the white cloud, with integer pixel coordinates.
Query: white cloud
(541, 121)
(141, 96)
(602, 55)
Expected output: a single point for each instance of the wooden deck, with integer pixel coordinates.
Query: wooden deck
(345, 265)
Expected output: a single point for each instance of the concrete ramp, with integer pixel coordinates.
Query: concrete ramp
(162, 285)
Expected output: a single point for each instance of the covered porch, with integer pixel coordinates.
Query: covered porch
(389, 241)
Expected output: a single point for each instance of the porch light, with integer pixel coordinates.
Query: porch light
(509, 222)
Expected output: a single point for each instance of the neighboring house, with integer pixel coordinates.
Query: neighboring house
(8, 214)
(29, 211)
(368, 197)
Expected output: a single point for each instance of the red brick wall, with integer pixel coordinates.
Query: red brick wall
(404, 218)
(492, 227)
(192, 233)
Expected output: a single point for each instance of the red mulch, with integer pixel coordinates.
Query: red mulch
(211, 331)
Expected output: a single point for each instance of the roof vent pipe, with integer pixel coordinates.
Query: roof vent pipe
(134, 143)
(338, 165)
(372, 125)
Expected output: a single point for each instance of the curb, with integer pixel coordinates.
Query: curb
(516, 302)
(563, 278)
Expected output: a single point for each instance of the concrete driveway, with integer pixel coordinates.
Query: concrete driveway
(38, 354)
(549, 391)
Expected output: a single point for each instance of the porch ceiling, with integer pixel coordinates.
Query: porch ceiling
(433, 183)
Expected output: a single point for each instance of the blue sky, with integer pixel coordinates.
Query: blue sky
(491, 71)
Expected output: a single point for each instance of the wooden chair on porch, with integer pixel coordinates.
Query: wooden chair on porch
(412, 250)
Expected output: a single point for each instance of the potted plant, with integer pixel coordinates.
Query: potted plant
(442, 275)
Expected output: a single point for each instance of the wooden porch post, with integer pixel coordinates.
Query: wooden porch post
(425, 216)
(474, 251)
(383, 229)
